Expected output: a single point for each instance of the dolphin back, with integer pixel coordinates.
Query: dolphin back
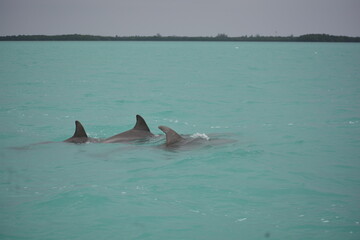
(79, 136)
(172, 137)
(141, 124)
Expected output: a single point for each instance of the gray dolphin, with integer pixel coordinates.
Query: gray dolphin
(80, 135)
(175, 140)
(140, 131)
(172, 137)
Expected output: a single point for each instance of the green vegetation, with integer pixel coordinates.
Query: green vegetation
(158, 37)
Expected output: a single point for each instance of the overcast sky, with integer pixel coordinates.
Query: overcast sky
(180, 17)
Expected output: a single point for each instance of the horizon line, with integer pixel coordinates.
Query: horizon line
(160, 35)
(218, 38)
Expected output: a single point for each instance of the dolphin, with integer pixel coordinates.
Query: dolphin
(172, 137)
(140, 131)
(175, 140)
(80, 135)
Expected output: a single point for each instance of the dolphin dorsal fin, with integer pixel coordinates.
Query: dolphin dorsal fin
(141, 124)
(79, 131)
(171, 136)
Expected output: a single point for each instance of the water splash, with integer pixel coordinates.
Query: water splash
(200, 135)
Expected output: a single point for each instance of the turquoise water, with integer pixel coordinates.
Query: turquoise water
(290, 170)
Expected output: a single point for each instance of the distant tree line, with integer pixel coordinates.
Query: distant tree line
(158, 37)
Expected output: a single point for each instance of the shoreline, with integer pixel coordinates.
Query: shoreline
(158, 37)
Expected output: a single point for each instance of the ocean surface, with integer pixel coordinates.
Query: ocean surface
(280, 124)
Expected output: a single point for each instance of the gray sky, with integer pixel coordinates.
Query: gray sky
(180, 17)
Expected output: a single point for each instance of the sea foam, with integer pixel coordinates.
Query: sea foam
(200, 135)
